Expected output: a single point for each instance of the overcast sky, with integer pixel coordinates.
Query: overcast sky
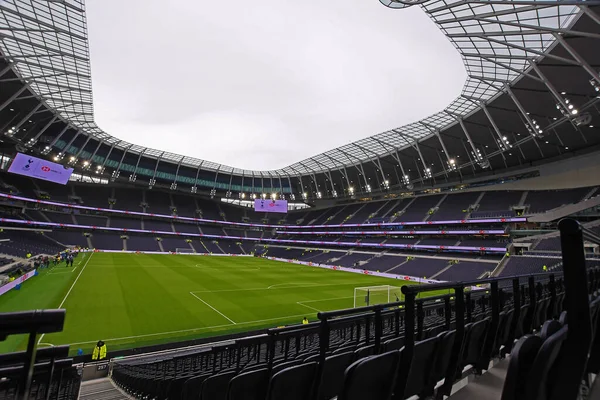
(263, 84)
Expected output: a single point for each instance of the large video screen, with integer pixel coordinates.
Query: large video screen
(34, 167)
(275, 206)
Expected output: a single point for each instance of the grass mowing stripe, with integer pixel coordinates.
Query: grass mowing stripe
(76, 279)
(193, 329)
(71, 288)
(223, 315)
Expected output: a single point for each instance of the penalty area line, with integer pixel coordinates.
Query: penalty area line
(214, 309)
(70, 289)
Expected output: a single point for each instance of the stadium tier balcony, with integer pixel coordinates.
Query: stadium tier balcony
(128, 199)
(212, 230)
(353, 260)
(498, 201)
(174, 243)
(185, 205)
(94, 195)
(141, 243)
(492, 214)
(253, 234)
(343, 215)
(186, 227)
(91, 220)
(421, 267)
(548, 244)
(157, 225)
(439, 242)
(373, 239)
(210, 209)
(491, 242)
(107, 241)
(59, 218)
(125, 223)
(455, 206)
(544, 200)
(383, 263)
(22, 242)
(419, 209)
(69, 238)
(57, 192)
(212, 246)
(465, 271)
(158, 202)
(400, 240)
(523, 265)
(326, 257)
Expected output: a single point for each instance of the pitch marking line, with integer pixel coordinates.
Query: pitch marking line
(315, 301)
(70, 289)
(220, 313)
(272, 287)
(192, 329)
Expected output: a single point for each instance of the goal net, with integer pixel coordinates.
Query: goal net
(371, 295)
(184, 250)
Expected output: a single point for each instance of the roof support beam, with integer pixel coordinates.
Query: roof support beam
(584, 64)
(134, 174)
(13, 97)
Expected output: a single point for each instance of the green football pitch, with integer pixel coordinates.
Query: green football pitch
(133, 300)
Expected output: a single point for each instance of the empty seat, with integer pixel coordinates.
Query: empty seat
(215, 387)
(332, 375)
(249, 385)
(364, 351)
(420, 368)
(371, 378)
(521, 361)
(294, 383)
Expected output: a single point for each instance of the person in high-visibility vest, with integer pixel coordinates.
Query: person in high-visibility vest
(545, 268)
(99, 352)
(305, 321)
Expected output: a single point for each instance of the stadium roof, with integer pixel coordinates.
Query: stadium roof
(500, 41)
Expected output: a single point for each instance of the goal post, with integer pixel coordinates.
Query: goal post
(371, 295)
(184, 250)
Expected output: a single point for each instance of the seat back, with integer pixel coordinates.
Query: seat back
(420, 367)
(371, 378)
(281, 366)
(364, 351)
(474, 346)
(249, 385)
(332, 375)
(191, 387)
(538, 383)
(442, 358)
(293, 383)
(394, 344)
(521, 361)
(215, 387)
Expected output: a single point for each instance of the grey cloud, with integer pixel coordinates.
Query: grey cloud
(261, 85)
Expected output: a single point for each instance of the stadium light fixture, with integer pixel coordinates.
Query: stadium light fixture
(451, 164)
(132, 177)
(595, 85)
(264, 195)
(273, 196)
(242, 195)
(194, 189)
(174, 186)
(253, 196)
(86, 163)
(319, 195)
(351, 190)
(151, 183)
(427, 173)
(304, 195)
(213, 192)
(334, 193)
(292, 196)
(56, 158)
(406, 179)
(368, 188)
(570, 108)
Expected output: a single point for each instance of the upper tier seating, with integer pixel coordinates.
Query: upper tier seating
(419, 209)
(455, 206)
(544, 200)
(128, 199)
(22, 242)
(465, 271)
(421, 267)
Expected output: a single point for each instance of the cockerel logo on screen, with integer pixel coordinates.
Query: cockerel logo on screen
(28, 166)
